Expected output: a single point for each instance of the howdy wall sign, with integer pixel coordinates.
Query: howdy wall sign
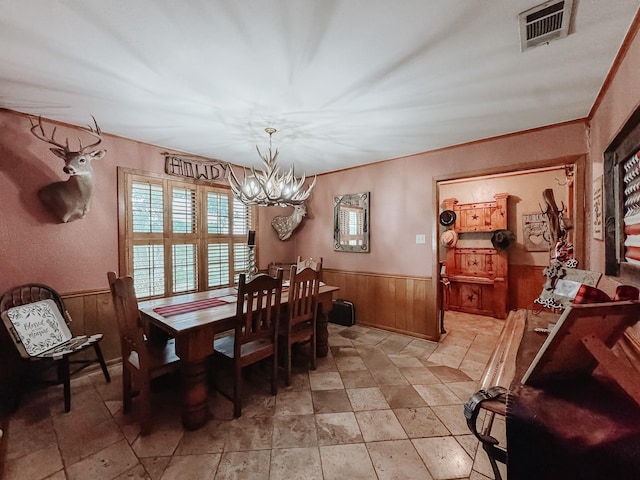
(192, 167)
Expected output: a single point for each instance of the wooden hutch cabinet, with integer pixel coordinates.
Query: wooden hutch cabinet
(476, 278)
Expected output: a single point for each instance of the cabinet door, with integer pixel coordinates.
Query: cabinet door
(471, 296)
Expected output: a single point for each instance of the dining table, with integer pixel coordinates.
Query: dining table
(194, 320)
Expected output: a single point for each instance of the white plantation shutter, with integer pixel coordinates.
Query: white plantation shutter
(182, 236)
(631, 201)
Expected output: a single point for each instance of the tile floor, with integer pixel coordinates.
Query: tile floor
(380, 406)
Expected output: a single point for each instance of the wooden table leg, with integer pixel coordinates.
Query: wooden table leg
(195, 411)
(193, 349)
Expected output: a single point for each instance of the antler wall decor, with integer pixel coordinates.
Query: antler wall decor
(70, 200)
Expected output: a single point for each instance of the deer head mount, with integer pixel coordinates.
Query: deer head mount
(70, 200)
(286, 225)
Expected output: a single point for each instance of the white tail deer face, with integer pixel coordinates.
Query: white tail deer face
(78, 163)
(70, 200)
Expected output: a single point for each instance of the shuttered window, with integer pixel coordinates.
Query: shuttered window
(181, 237)
(631, 202)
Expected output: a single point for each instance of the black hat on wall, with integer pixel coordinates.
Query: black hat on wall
(502, 239)
(447, 218)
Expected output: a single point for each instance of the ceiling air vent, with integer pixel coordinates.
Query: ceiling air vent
(544, 23)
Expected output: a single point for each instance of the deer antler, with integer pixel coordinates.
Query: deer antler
(38, 130)
(97, 133)
(43, 136)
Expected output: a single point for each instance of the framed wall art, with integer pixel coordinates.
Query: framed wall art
(597, 213)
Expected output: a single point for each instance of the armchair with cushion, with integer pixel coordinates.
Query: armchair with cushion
(25, 307)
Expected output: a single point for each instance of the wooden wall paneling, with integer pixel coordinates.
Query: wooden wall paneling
(394, 303)
(525, 285)
(403, 303)
(386, 299)
(92, 312)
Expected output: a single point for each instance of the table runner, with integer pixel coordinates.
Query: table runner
(196, 305)
(187, 307)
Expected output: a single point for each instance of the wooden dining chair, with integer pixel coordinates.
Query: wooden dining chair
(299, 319)
(142, 360)
(255, 334)
(63, 344)
(315, 263)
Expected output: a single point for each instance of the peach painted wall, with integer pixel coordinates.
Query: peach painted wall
(72, 257)
(525, 197)
(75, 257)
(402, 196)
(617, 104)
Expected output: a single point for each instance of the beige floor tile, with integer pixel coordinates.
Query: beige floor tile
(338, 428)
(296, 464)
(405, 361)
(448, 374)
(250, 465)
(155, 466)
(469, 442)
(29, 433)
(463, 390)
(329, 401)
(325, 380)
(208, 439)
(402, 396)
(419, 376)
(105, 464)
(357, 379)
(397, 460)
(370, 398)
(326, 364)
(420, 422)
(161, 442)
(344, 350)
(389, 376)
(478, 476)
(246, 433)
(85, 442)
(340, 341)
(294, 403)
(310, 423)
(444, 457)
(394, 344)
(292, 431)
(437, 394)
(182, 467)
(60, 475)
(452, 417)
(136, 473)
(35, 465)
(378, 425)
(350, 363)
(341, 462)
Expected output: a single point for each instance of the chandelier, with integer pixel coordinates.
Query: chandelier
(269, 187)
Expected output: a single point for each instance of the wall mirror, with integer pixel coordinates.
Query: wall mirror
(351, 222)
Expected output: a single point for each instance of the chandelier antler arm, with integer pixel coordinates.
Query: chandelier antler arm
(269, 187)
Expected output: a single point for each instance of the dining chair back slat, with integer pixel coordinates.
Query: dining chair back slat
(299, 323)
(256, 331)
(142, 360)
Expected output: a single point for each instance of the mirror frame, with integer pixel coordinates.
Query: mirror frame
(360, 200)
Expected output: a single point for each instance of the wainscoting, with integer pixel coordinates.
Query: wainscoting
(391, 302)
(525, 285)
(92, 312)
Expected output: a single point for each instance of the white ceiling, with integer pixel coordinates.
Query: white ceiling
(345, 82)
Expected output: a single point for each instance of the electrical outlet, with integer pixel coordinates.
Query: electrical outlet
(421, 239)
